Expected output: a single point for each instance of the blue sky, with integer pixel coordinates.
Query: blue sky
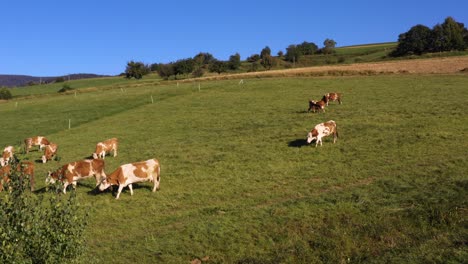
(53, 38)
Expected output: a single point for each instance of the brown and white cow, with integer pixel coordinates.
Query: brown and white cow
(106, 147)
(333, 97)
(7, 155)
(25, 167)
(316, 106)
(128, 174)
(35, 141)
(322, 130)
(72, 172)
(49, 151)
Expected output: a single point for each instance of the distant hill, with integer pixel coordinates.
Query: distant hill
(24, 80)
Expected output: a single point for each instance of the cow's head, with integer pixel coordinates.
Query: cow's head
(104, 185)
(311, 136)
(51, 177)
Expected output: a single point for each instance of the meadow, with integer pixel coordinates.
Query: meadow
(239, 184)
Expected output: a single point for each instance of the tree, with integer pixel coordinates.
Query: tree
(38, 231)
(202, 59)
(136, 70)
(184, 66)
(329, 46)
(253, 58)
(265, 52)
(166, 70)
(416, 41)
(234, 61)
(308, 48)
(293, 53)
(5, 94)
(218, 66)
(267, 61)
(453, 34)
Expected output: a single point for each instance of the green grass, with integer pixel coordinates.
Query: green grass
(238, 184)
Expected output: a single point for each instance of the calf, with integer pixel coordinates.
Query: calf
(7, 155)
(106, 147)
(72, 172)
(127, 174)
(322, 130)
(35, 141)
(24, 167)
(49, 152)
(333, 97)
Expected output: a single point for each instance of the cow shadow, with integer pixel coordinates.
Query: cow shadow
(297, 143)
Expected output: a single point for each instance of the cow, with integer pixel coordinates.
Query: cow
(322, 130)
(106, 147)
(35, 141)
(49, 151)
(7, 155)
(72, 172)
(314, 107)
(333, 97)
(24, 167)
(319, 105)
(127, 174)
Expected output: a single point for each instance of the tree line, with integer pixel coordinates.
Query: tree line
(448, 36)
(203, 62)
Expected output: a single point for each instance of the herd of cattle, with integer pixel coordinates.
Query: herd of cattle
(126, 174)
(70, 173)
(326, 128)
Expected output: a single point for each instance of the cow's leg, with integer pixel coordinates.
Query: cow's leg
(131, 188)
(65, 185)
(115, 151)
(156, 184)
(119, 191)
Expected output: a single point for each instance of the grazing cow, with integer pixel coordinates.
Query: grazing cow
(322, 130)
(25, 167)
(127, 174)
(333, 97)
(72, 172)
(35, 141)
(106, 147)
(7, 155)
(49, 152)
(314, 107)
(320, 105)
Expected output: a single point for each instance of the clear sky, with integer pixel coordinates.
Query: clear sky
(53, 38)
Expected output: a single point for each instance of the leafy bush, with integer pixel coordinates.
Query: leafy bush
(5, 94)
(198, 73)
(34, 231)
(65, 88)
(136, 70)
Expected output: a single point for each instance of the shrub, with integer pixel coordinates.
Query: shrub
(65, 88)
(34, 231)
(5, 94)
(198, 73)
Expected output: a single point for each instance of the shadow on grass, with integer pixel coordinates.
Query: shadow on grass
(297, 143)
(113, 190)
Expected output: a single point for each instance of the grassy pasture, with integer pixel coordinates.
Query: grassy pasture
(239, 185)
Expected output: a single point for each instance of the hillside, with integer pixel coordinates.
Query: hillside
(23, 80)
(240, 185)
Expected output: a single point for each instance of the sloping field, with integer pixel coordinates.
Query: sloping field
(239, 184)
(417, 66)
